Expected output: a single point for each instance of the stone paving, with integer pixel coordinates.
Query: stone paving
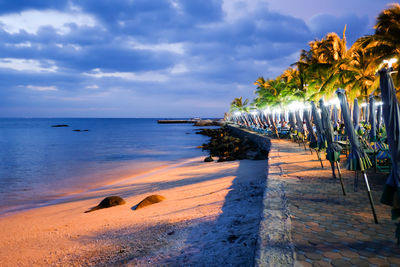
(329, 229)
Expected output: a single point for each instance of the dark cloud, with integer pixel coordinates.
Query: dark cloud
(217, 54)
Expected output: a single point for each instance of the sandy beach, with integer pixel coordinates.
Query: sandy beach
(211, 215)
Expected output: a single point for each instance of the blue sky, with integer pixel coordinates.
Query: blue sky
(156, 58)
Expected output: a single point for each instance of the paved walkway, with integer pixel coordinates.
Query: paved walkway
(327, 228)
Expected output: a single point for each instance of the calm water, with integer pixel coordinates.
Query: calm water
(39, 163)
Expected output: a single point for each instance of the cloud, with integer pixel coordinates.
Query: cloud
(42, 88)
(31, 21)
(140, 77)
(177, 48)
(92, 86)
(28, 65)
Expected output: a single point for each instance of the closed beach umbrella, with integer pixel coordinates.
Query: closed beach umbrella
(300, 128)
(391, 117)
(311, 135)
(356, 115)
(335, 117)
(318, 126)
(292, 122)
(333, 149)
(378, 117)
(273, 125)
(282, 117)
(364, 108)
(299, 122)
(265, 119)
(372, 119)
(357, 159)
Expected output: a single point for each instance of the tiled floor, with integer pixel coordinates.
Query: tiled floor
(328, 228)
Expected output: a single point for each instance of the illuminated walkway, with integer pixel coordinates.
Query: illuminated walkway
(327, 228)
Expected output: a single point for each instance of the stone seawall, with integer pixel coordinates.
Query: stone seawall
(262, 142)
(274, 242)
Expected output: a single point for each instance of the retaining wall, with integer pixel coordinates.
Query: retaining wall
(274, 242)
(262, 141)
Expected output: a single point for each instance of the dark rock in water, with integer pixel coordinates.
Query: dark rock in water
(230, 158)
(76, 130)
(208, 159)
(108, 202)
(60, 125)
(149, 201)
(79, 130)
(221, 159)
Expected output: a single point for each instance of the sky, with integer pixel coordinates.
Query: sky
(156, 58)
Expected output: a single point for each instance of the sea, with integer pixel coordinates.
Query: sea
(40, 163)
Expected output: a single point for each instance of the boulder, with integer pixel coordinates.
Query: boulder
(150, 200)
(208, 159)
(108, 202)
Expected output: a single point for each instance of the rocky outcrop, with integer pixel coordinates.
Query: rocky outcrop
(228, 148)
(208, 123)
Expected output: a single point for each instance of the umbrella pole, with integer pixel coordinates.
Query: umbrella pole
(371, 201)
(340, 177)
(311, 150)
(333, 169)
(319, 158)
(355, 181)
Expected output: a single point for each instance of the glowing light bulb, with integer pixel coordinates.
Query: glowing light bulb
(390, 61)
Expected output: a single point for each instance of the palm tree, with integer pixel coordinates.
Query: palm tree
(358, 75)
(328, 58)
(271, 92)
(385, 43)
(239, 105)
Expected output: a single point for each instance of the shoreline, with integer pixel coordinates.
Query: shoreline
(151, 167)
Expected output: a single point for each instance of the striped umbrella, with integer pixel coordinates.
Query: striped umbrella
(357, 159)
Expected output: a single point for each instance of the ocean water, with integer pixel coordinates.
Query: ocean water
(40, 163)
